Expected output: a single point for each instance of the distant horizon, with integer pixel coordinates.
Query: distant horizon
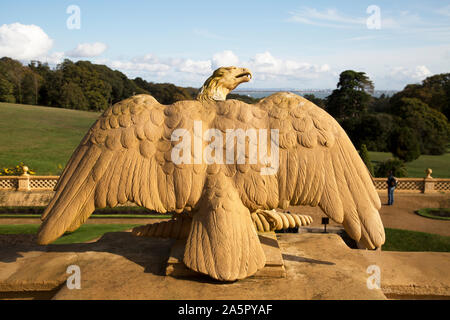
(297, 89)
(318, 93)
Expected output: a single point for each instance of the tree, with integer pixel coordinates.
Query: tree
(434, 91)
(431, 127)
(6, 90)
(52, 83)
(380, 104)
(121, 86)
(243, 98)
(84, 75)
(364, 154)
(352, 96)
(31, 84)
(404, 144)
(165, 93)
(13, 71)
(316, 100)
(72, 97)
(372, 129)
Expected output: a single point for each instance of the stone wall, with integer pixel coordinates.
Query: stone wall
(12, 198)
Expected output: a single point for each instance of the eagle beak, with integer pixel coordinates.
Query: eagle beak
(245, 75)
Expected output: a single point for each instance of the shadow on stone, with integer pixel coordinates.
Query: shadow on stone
(268, 241)
(150, 253)
(13, 245)
(291, 257)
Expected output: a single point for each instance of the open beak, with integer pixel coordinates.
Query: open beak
(244, 76)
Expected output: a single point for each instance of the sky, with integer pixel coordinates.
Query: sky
(286, 44)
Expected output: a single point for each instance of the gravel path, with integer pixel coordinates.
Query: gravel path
(402, 214)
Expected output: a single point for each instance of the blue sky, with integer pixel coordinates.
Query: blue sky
(287, 44)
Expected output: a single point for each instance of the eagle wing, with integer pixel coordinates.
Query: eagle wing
(125, 156)
(318, 165)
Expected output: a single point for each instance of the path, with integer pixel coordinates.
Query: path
(402, 214)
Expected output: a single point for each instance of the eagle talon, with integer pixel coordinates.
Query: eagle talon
(271, 220)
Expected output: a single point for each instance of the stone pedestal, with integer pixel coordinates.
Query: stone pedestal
(23, 183)
(428, 185)
(428, 182)
(274, 267)
(123, 266)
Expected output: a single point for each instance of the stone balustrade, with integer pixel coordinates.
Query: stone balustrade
(427, 184)
(26, 182)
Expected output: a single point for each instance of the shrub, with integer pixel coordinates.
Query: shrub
(396, 165)
(364, 154)
(15, 171)
(404, 144)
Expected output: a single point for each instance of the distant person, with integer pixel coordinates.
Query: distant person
(392, 183)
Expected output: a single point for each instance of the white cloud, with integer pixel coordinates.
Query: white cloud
(421, 72)
(410, 74)
(226, 58)
(53, 58)
(445, 11)
(23, 42)
(184, 71)
(396, 78)
(199, 67)
(266, 64)
(87, 50)
(148, 58)
(207, 34)
(326, 18)
(362, 38)
(138, 66)
(403, 22)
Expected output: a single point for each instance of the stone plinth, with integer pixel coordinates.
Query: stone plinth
(122, 266)
(274, 267)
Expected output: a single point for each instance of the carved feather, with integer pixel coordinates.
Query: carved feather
(126, 156)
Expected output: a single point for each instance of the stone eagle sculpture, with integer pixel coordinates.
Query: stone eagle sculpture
(127, 155)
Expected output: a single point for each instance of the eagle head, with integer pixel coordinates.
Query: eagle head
(222, 81)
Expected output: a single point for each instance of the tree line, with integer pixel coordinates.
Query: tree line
(78, 85)
(412, 122)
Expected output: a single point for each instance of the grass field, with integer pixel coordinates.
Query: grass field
(439, 164)
(406, 240)
(44, 138)
(41, 137)
(116, 212)
(93, 216)
(85, 233)
(396, 239)
(435, 213)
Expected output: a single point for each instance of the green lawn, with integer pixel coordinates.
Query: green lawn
(116, 212)
(396, 239)
(406, 240)
(41, 137)
(85, 233)
(439, 164)
(435, 213)
(94, 216)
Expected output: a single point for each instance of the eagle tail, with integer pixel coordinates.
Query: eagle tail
(223, 242)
